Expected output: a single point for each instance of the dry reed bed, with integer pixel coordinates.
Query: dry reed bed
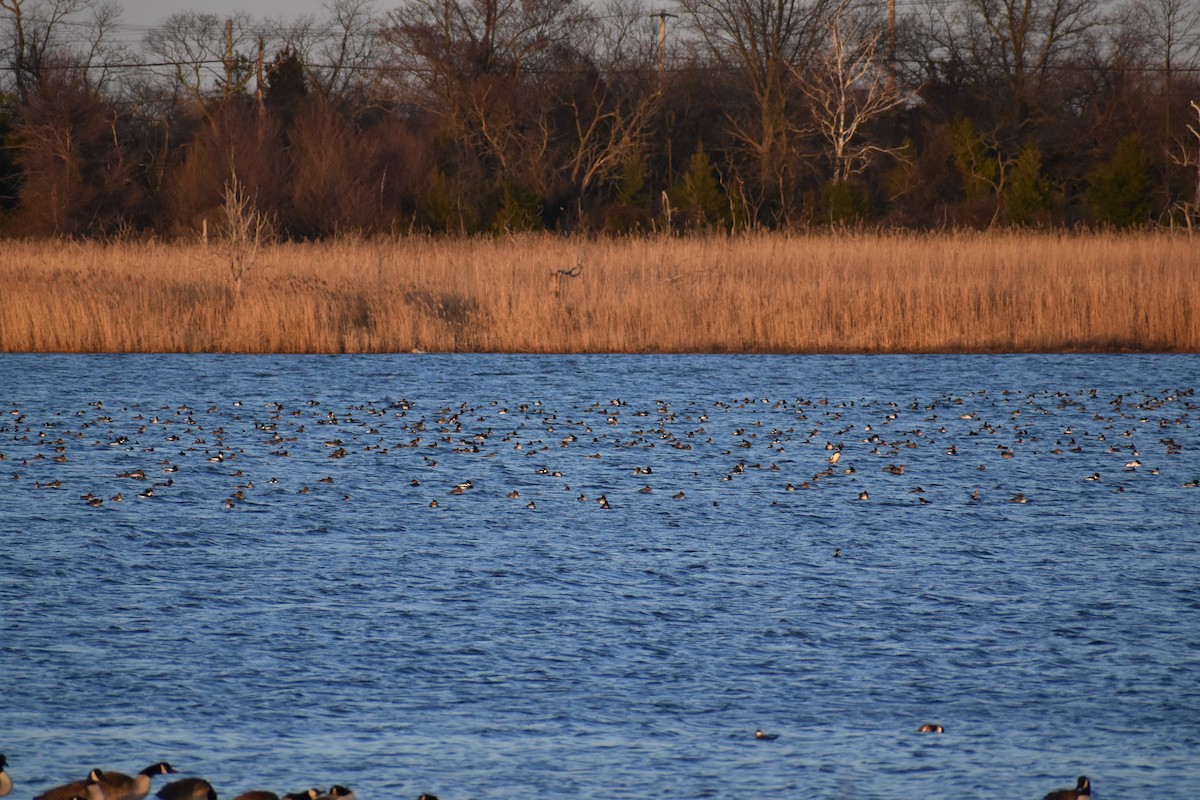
(892, 292)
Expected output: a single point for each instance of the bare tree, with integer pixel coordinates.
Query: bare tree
(848, 87)
(1172, 30)
(207, 55)
(485, 69)
(352, 46)
(41, 31)
(1019, 45)
(245, 230)
(1170, 33)
(763, 42)
(1185, 158)
(340, 48)
(76, 178)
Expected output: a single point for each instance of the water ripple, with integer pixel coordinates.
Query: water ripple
(286, 571)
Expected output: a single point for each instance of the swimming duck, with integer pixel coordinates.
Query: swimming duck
(6, 783)
(1082, 791)
(188, 789)
(337, 792)
(766, 737)
(118, 786)
(91, 788)
(931, 727)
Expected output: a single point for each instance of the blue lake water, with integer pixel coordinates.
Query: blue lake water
(289, 609)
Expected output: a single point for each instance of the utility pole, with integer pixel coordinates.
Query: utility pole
(891, 48)
(227, 90)
(662, 41)
(258, 68)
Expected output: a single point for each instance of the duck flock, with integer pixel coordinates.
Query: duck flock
(111, 785)
(528, 454)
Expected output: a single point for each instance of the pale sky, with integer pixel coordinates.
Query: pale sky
(149, 13)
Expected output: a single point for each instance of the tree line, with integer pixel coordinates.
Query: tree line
(506, 115)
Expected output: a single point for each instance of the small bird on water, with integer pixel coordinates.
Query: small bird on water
(931, 727)
(758, 734)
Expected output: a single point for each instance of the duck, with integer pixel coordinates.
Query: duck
(187, 789)
(6, 783)
(1082, 791)
(766, 737)
(337, 792)
(118, 786)
(90, 788)
(931, 727)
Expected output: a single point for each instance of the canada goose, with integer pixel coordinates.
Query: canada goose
(257, 794)
(312, 793)
(118, 786)
(931, 727)
(5, 779)
(188, 789)
(91, 788)
(1082, 791)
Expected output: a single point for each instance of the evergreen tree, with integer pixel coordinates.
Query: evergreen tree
(1118, 191)
(698, 197)
(980, 169)
(1028, 192)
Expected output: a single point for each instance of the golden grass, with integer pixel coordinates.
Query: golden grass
(786, 293)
